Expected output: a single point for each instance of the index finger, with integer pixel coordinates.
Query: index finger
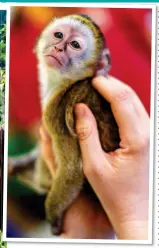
(126, 106)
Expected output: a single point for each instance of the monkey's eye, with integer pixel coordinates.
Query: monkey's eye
(58, 35)
(75, 44)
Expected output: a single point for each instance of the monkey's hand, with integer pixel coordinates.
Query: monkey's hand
(77, 220)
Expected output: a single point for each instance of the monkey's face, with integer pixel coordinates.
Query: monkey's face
(67, 45)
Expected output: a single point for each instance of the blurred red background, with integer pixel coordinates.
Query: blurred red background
(128, 35)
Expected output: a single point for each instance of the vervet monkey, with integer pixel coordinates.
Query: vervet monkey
(70, 51)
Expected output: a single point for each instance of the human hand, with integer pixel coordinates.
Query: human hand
(120, 178)
(85, 219)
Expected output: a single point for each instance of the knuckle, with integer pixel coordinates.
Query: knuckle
(122, 94)
(92, 169)
(83, 131)
(129, 89)
(142, 143)
(89, 170)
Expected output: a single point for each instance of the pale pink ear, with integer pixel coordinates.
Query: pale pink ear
(104, 63)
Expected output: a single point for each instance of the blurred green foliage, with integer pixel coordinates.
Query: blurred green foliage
(3, 244)
(2, 44)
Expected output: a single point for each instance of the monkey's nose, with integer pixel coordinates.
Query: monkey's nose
(58, 49)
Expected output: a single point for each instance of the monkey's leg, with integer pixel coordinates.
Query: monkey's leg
(68, 181)
(42, 177)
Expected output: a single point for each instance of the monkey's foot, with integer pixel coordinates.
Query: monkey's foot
(57, 225)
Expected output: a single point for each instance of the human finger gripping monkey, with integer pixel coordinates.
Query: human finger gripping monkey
(71, 50)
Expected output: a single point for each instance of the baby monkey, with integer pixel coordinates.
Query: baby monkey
(71, 50)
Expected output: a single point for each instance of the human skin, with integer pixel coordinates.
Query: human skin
(120, 179)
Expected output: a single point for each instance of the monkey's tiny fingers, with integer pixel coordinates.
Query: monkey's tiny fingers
(47, 150)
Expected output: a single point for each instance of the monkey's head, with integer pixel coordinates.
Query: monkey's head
(74, 46)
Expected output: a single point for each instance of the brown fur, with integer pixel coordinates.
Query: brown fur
(59, 117)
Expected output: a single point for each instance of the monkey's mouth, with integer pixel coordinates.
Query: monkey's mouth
(49, 55)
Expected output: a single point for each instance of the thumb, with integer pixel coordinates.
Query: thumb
(86, 129)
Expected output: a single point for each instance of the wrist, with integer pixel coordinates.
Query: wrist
(130, 222)
(133, 230)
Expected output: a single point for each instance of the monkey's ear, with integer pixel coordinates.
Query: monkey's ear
(104, 63)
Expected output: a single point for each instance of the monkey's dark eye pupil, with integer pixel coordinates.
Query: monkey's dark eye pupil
(58, 35)
(75, 44)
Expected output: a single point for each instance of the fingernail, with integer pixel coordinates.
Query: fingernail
(79, 111)
(83, 123)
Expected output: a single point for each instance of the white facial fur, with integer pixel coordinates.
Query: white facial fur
(47, 34)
